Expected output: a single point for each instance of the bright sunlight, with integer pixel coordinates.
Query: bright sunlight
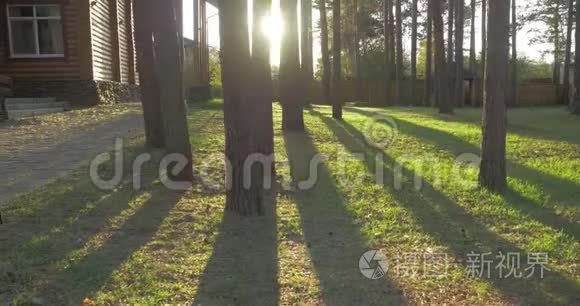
(273, 27)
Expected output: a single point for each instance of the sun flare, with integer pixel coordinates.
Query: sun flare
(273, 27)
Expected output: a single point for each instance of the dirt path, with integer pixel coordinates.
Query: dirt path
(49, 159)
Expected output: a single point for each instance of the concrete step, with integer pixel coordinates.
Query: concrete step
(33, 106)
(14, 114)
(13, 101)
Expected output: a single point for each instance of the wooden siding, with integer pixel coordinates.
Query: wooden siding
(103, 40)
(125, 41)
(98, 40)
(72, 66)
(135, 68)
(112, 41)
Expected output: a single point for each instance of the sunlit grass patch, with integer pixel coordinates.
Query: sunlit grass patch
(68, 242)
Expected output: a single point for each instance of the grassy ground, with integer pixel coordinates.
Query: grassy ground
(68, 242)
(19, 134)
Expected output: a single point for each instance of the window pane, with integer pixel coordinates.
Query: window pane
(21, 11)
(47, 11)
(23, 40)
(50, 37)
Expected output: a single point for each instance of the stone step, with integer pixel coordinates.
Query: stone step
(14, 114)
(12, 101)
(33, 106)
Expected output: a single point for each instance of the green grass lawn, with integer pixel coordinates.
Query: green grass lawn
(69, 243)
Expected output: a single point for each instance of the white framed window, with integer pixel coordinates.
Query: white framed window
(35, 31)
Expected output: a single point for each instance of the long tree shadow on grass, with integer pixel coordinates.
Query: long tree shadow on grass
(90, 273)
(557, 188)
(455, 228)
(45, 226)
(243, 268)
(334, 241)
(558, 122)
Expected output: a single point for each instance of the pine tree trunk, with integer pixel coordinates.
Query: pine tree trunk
(514, 62)
(336, 60)
(392, 45)
(556, 77)
(399, 67)
(450, 24)
(324, 50)
(429, 59)
(483, 51)
(452, 4)
(441, 67)
(169, 76)
(239, 107)
(493, 165)
(262, 80)
(357, 69)
(568, 56)
(459, 28)
(575, 107)
(387, 12)
(290, 81)
(472, 60)
(414, 14)
(147, 75)
(306, 46)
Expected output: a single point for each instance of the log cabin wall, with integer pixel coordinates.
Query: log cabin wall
(103, 40)
(112, 36)
(135, 70)
(73, 65)
(97, 63)
(126, 46)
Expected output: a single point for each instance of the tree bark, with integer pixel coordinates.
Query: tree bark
(399, 67)
(493, 165)
(414, 14)
(357, 68)
(440, 63)
(575, 107)
(306, 46)
(147, 74)
(392, 45)
(387, 12)
(459, 28)
(169, 70)
(472, 60)
(556, 77)
(324, 50)
(290, 81)
(336, 60)
(262, 80)
(452, 4)
(429, 55)
(239, 107)
(514, 62)
(568, 55)
(450, 24)
(483, 51)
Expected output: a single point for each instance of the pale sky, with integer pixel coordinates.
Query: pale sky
(274, 27)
